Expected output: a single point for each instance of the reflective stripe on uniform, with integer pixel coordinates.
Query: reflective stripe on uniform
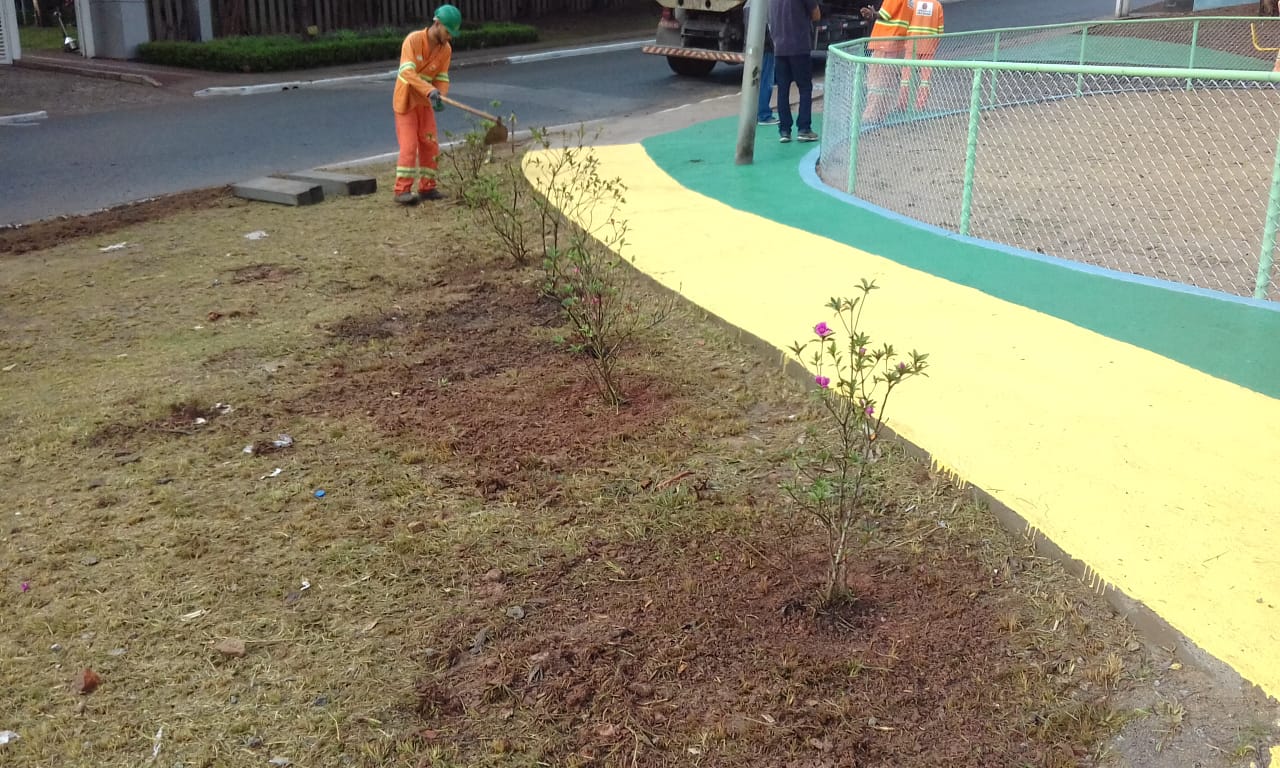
(403, 172)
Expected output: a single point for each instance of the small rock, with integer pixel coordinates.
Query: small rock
(515, 612)
(98, 483)
(56, 648)
(233, 699)
(494, 575)
(280, 762)
(86, 682)
(230, 647)
(478, 642)
(116, 652)
(89, 560)
(129, 458)
(321, 701)
(417, 526)
(253, 742)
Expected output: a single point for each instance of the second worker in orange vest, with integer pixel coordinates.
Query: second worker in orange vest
(892, 21)
(423, 78)
(926, 20)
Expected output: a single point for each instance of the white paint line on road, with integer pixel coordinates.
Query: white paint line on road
(289, 85)
(583, 51)
(26, 118)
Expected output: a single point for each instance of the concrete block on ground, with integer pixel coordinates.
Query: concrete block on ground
(336, 183)
(283, 191)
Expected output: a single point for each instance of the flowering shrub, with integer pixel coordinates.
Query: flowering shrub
(854, 380)
(582, 235)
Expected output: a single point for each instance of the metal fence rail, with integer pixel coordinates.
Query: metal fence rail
(1146, 146)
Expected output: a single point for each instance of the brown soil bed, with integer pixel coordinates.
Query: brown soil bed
(47, 233)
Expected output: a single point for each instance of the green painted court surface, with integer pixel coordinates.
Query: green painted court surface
(1225, 338)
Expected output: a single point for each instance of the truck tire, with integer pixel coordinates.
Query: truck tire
(690, 67)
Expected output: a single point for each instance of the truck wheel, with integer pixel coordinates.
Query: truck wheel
(690, 67)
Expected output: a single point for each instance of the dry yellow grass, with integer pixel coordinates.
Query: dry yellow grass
(145, 539)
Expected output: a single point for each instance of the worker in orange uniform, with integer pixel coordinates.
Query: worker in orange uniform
(926, 20)
(892, 21)
(423, 78)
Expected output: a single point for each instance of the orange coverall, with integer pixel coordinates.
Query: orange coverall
(423, 66)
(926, 19)
(892, 22)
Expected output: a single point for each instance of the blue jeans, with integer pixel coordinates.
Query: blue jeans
(764, 111)
(798, 70)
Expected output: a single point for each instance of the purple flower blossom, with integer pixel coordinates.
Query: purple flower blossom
(25, 586)
(870, 410)
(822, 330)
(902, 367)
(862, 351)
(822, 381)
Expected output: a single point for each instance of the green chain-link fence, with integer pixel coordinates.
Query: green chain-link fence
(1147, 146)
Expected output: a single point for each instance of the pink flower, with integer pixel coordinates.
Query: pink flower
(862, 351)
(870, 410)
(822, 330)
(25, 586)
(902, 367)
(822, 381)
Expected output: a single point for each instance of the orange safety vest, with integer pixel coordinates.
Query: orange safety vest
(926, 19)
(423, 66)
(892, 21)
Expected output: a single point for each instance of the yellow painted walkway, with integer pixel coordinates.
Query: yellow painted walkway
(1161, 478)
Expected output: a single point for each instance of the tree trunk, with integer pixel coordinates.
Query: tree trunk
(1269, 7)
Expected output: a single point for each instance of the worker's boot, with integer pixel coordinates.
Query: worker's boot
(430, 194)
(407, 198)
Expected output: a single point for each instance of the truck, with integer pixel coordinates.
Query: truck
(696, 34)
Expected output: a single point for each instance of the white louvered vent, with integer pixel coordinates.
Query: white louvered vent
(6, 55)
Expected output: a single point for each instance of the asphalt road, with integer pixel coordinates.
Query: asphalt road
(80, 163)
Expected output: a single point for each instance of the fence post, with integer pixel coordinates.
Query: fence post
(1084, 37)
(971, 151)
(1195, 38)
(1268, 250)
(855, 124)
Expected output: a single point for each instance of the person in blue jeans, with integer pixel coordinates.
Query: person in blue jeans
(791, 26)
(764, 112)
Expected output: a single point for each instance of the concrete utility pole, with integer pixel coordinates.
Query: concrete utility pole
(1122, 9)
(754, 51)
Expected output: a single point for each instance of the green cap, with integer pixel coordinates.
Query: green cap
(450, 17)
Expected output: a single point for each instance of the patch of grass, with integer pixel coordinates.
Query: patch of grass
(35, 39)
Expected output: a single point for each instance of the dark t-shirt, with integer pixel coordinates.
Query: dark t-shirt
(791, 27)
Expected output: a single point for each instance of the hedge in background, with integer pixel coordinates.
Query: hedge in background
(272, 54)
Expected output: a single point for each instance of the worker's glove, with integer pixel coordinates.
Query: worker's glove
(436, 102)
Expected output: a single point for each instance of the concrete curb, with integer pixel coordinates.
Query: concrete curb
(288, 85)
(106, 74)
(26, 118)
